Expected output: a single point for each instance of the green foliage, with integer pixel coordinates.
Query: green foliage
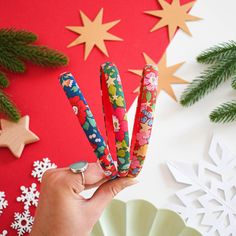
(224, 113)
(233, 84)
(8, 108)
(222, 60)
(15, 49)
(12, 35)
(209, 80)
(4, 82)
(217, 53)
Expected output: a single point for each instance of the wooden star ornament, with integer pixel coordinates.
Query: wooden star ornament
(166, 75)
(16, 135)
(174, 16)
(93, 33)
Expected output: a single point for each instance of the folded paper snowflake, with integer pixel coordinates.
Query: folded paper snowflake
(29, 196)
(4, 233)
(3, 202)
(40, 167)
(22, 222)
(209, 196)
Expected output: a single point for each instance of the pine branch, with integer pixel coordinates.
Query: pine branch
(9, 62)
(39, 55)
(233, 83)
(217, 53)
(224, 113)
(4, 82)
(209, 80)
(13, 35)
(8, 108)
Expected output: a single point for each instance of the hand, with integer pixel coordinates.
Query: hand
(63, 211)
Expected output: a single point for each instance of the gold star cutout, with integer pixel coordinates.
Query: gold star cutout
(166, 75)
(174, 16)
(16, 135)
(93, 33)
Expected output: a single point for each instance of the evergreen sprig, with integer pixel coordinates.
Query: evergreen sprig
(8, 108)
(222, 60)
(217, 53)
(16, 48)
(209, 80)
(226, 112)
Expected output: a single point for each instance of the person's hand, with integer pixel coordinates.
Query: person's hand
(63, 211)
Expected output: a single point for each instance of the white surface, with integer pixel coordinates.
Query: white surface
(184, 134)
(207, 200)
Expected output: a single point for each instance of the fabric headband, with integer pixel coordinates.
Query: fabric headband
(130, 158)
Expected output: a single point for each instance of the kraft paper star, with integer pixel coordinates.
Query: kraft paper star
(166, 75)
(174, 16)
(93, 33)
(16, 135)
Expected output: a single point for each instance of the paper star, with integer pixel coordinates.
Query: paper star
(166, 75)
(93, 33)
(16, 135)
(174, 16)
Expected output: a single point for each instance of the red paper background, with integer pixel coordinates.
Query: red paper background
(38, 93)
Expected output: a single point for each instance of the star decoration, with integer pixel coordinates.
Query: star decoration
(174, 16)
(110, 81)
(166, 75)
(93, 33)
(16, 135)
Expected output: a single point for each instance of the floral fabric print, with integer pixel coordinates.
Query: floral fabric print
(115, 114)
(143, 119)
(88, 123)
(115, 117)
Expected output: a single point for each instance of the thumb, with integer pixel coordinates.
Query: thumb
(107, 191)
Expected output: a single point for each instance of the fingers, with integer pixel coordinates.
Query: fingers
(93, 175)
(106, 192)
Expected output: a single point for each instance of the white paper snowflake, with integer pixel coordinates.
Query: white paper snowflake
(4, 233)
(209, 199)
(22, 222)
(40, 167)
(3, 202)
(29, 196)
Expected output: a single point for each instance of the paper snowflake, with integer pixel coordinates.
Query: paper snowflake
(209, 198)
(22, 222)
(40, 167)
(3, 202)
(4, 233)
(29, 196)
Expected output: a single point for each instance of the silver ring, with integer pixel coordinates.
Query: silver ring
(79, 167)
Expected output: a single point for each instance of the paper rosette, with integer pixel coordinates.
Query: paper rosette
(140, 218)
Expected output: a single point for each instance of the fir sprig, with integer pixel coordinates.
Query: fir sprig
(217, 53)
(14, 35)
(8, 108)
(16, 48)
(4, 82)
(233, 83)
(209, 80)
(224, 113)
(223, 67)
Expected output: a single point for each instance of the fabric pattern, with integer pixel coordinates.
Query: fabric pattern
(88, 123)
(143, 118)
(130, 158)
(116, 114)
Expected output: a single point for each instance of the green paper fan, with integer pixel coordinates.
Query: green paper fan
(140, 218)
